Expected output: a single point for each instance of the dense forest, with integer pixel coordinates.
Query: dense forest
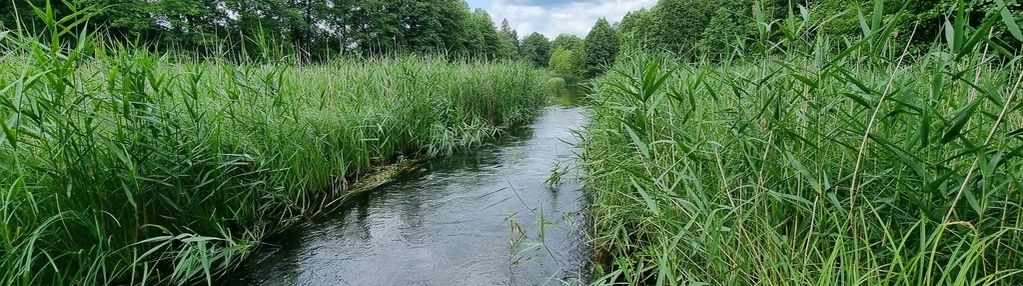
(718, 28)
(260, 29)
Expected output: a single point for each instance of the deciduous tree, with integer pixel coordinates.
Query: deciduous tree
(600, 48)
(537, 49)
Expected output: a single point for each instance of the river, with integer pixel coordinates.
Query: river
(480, 217)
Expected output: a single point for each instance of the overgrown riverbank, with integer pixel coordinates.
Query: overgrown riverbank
(126, 167)
(860, 166)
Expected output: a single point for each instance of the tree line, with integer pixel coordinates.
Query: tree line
(717, 28)
(702, 26)
(311, 30)
(315, 30)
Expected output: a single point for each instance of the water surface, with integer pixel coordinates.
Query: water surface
(481, 217)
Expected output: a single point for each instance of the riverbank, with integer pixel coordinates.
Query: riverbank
(129, 168)
(484, 216)
(807, 171)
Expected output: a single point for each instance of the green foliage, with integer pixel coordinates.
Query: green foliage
(567, 42)
(600, 48)
(700, 172)
(634, 30)
(567, 64)
(130, 168)
(490, 43)
(537, 49)
(691, 27)
(676, 25)
(511, 44)
(722, 33)
(554, 86)
(841, 18)
(309, 30)
(814, 164)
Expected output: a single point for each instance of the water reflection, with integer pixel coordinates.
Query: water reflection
(483, 217)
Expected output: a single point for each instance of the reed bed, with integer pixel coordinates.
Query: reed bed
(125, 167)
(811, 165)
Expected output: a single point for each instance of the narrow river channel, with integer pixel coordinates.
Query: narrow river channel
(480, 217)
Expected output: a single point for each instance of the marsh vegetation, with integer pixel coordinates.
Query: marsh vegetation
(806, 159)
(750, 142)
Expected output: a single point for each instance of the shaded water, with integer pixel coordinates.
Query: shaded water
(481, 217)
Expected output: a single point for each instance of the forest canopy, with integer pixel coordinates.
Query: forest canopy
(308, 29)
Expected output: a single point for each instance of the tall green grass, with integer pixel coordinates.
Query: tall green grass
(125, 167)
(808, 165)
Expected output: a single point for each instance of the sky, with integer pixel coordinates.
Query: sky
(554, 17)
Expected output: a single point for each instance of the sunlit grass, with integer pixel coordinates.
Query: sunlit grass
(812, 166)
(127, 167)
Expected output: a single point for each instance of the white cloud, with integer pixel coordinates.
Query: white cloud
(552, 18)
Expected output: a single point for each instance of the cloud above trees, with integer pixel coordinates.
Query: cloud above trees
(552, 18)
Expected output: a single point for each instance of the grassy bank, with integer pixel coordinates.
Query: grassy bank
(865, 165)
(126, 167)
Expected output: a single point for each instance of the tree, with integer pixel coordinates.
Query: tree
(920, 18)
(494, 47)
(455, 19)
(567, 63)
(511, 38)
(567, 57)
(475, 41)
(377, 27)
(433, 26)
(567, 42)
(301, 17)
(537, 49)
(600, 48)
(310, 30)
(732, 27)
(677, 25)
(634, 29)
